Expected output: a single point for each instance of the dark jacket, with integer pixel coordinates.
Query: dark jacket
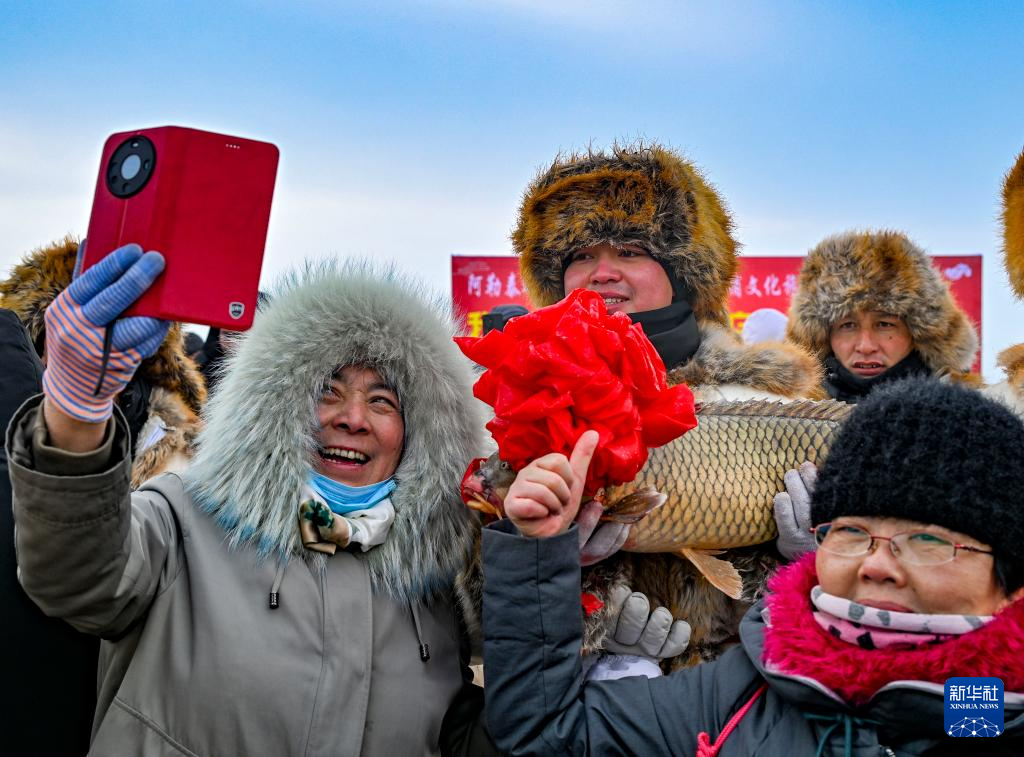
(537, 702)
(49, 667)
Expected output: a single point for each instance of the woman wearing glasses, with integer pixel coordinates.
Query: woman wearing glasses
(916, 579)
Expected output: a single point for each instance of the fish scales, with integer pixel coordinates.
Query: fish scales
(721, 477)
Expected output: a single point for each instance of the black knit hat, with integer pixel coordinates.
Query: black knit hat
(931, 452)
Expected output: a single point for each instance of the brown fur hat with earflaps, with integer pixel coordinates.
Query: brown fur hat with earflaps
(1011, 360)
(641, 194)
(881, 271)
(1013, 225)
(45, 272)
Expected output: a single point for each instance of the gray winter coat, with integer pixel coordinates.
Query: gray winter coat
(538, 704)
(362, 655)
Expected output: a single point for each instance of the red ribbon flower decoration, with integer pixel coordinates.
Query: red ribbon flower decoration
(570, 367)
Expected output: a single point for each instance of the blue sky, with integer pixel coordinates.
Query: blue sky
(408, 130)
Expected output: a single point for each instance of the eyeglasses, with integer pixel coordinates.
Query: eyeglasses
(912, 547)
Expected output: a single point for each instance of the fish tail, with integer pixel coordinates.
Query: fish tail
(721, 574)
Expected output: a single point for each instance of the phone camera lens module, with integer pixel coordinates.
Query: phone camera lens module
(131, 167)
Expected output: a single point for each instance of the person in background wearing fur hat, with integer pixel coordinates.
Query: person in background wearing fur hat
(248, 605)
(919, 577)
(1011, 360)
(872, 308)
(642, 227)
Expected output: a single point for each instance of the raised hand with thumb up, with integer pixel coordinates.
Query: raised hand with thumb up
(545, 496)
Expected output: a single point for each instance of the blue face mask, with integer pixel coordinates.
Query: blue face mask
(342, 498)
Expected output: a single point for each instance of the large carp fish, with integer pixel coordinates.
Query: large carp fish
(710, 489)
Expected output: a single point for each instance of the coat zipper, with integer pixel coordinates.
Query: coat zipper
(322, 580)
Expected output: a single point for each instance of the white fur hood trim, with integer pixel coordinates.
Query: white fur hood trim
(254, 453)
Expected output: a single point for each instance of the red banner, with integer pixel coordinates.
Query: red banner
(767, 283)
(481, 283)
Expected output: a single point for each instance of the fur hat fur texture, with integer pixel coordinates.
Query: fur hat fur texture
(887, 272)
(174, 427)
(1013, 225)
(1011, 360)
(771, 367)
(256, 449)
(1011, 391)
(637, 194)
(46, 272)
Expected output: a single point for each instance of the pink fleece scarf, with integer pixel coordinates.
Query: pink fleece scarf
(795, 644)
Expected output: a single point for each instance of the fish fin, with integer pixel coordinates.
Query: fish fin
(481, 505)
(819, 410)
(720, 573)
(634, 506)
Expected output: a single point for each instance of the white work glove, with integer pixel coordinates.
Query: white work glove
(598, 541)
(637, 638)
(793, 512)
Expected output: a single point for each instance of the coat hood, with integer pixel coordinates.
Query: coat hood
(882, 271)
(255, 452)
(640, 194)
(1013, 225)
(45, 272)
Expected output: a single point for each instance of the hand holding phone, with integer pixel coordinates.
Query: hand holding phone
(92, 353)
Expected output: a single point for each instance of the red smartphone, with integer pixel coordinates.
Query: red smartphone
(201, 199)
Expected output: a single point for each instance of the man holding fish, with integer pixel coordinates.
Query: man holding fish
(640, 225)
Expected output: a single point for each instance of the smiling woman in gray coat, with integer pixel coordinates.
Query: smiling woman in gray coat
(225, 631)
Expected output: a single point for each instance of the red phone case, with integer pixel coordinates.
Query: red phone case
(201, 199)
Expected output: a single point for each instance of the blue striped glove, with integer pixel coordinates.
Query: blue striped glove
(90, 353)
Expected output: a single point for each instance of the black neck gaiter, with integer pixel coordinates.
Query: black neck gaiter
(673, 331)
(843, 385)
